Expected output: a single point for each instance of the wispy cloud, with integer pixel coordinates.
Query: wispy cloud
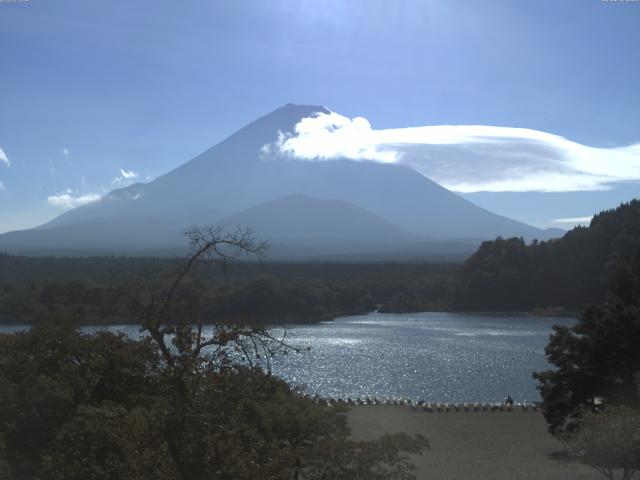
(4, 159)
(466, 158)
(66, 152)
(125, 178)
(68, 199)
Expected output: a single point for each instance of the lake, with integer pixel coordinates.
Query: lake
(436, 357)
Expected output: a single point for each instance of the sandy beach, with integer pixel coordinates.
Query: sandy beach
(474, 445)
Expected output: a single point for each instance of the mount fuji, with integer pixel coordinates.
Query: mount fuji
(306, 208)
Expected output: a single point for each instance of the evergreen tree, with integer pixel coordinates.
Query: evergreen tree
(598, 357)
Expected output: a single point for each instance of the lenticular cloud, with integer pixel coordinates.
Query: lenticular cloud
(465, 158)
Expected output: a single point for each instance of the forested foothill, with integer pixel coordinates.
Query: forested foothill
(558, 277)
(260, 292)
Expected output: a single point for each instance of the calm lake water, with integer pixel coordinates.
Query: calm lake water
(438, 357)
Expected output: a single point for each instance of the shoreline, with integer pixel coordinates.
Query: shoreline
(426, 406)
(296, 321)
(538, 312)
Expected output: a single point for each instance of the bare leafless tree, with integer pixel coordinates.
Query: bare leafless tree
(192, 346)
(179, 332)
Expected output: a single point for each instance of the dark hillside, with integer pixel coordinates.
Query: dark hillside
(570, 272)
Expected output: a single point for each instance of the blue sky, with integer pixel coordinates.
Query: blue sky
(98, 94)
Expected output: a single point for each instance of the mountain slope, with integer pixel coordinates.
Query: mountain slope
(217, 183)
(300, 218)
(235, 175)
(303, 225)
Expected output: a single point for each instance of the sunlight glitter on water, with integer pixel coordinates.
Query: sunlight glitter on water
(427, 356)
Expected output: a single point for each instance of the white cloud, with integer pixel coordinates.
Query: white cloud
(126, 178)
(574, 220)
(68, 199)
(4, 159)
(465, 158)
(66, 152)
(128, 173)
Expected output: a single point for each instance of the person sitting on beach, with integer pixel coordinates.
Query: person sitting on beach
(508, 400)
